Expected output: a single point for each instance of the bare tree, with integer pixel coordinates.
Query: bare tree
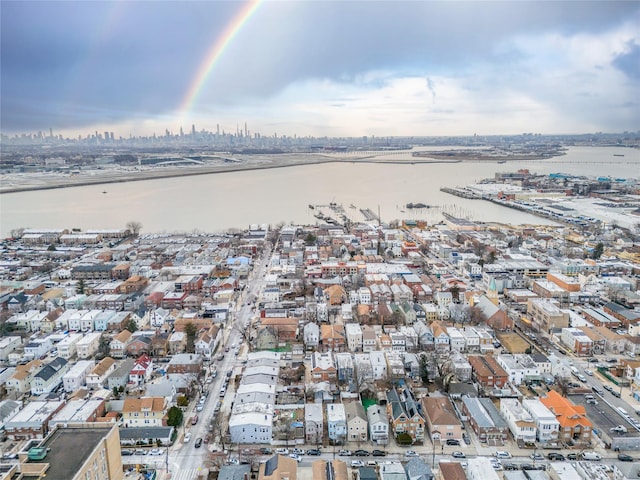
(134, 227)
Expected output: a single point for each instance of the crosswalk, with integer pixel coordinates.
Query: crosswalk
(186, 474)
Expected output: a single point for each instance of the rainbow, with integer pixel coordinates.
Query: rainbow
(215, 52)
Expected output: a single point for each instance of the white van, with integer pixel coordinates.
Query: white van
(591, 456)
(501, 454)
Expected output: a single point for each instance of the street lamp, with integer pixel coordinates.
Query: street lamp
(434, 434)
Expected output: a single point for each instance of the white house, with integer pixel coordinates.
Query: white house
(313, 423)
(76, 376)
(88, 345)
(353, 332)
(36, 348)
(520, 368)
(9, 344)
(311, 335)
(67, 347)
(520, 422)
(547, 427)
(378, 365)
(378, 425)
(251, 423)
(49, 376)
(364, 295)
(336, 422)
(75, 318)
(457, 341)
(357, 425)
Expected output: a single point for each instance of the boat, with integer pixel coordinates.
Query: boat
(417, 205)
(502, 161)
(311, 206)
(104, 191)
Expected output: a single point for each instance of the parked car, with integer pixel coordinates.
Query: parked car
(314, 452)
(297, 458)
(140, 452)
(502, 454)
(198, 443)
(556, 456)
(466, 438)
(410, 453)
(187, 437)
(282, 451)
(361, 453)
(123, 452)
(297, 451)
(155, 451)
(457, 454)
(572, 456)
(357, 463)
(536, 456)
(379, 453)
(531, 466)
(623, 457)
(265, 451)
(615, 393)
(344, 453)
(608, 388)
(453, 442)
(511, 466)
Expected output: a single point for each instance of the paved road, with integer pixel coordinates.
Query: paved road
(185, 461)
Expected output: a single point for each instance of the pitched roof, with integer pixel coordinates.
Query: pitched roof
(440, 411)
(567, 413)
(102, 367)
(153, 404)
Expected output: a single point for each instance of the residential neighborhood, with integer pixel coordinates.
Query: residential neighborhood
(437, 350)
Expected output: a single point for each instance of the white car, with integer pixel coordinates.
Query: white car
(502, 454)
(282, 451)
(187, 437)
(357, 463)
(297, 458)
(588, 372)
(344, 453)
(410, 453)
(155, 451)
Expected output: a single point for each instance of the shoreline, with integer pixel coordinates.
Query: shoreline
(125, 177)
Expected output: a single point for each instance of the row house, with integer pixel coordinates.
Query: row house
(141, 343)
(120, 376)
(188, 283)
(342, 269)
(336, 423)
(30, 320)
(487, 372)
(208, 341)
(378, 425)
(369, 339)
(353, 333)
(441, 419)
(457, 340)
(49, 376)
(547, 425)
(332, 338)
(119, 321)
(98, 376)
(380, 294)
(520, 368)
(88, 345)
(311, 335)
(135, 283)
(101, 321)
(96, 272)
(606, 340)
(9, 344)
(107, 288)
(75, 378)
(520, 422)
(323, 368)
(363, 368)
(599, 318)
(32, 422)
(313, 423)
(37, 348)
(398, 342)
(405, 415)
(115, 301)
(174, 300)
(379, 365)
(357, 426)
(344, 367)
(485, 420)
(575, 427)
(395, 367)
(401, 293)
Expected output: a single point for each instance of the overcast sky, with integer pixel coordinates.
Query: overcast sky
(322, 68)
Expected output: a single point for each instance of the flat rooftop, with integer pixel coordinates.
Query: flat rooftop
(70, 449)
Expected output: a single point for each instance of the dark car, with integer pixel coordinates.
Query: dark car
(453, 442)
(511, 466)
(361, 453)
(198, 443)
(623, 457)
(265, 451)
(556, 456)
(126, 451)
(314, 452)
(531, 466)
(379, 453)
(466, 438)
(572, 456)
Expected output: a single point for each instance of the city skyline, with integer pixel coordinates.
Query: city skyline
(327, 69)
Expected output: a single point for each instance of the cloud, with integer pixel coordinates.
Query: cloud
(326, 66)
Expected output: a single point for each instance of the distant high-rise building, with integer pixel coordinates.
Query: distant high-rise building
(193, 129)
